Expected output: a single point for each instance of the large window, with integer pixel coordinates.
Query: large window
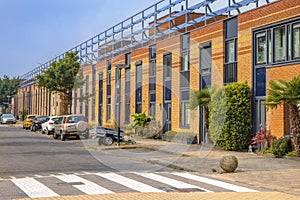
(152, 80)
(108, 92)
(139, 85)
(277, 44)
(230, 65)
(184, 81)
(87, 91)
(127, 88)
(93, 92)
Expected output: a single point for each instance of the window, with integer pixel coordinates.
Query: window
(205, 64)
(127, 88)
(127, 59)
(277, 44)
(87, 91)
(108, 92)
(127, 95)
(167, 75)
(185, 42)
(139, 86)
(296, 41)
(117, 93)
(230, 51)
(153, 52)
(231, 28)
(168, 67)
(185, 52)
(184, 81)
(185, 61)
(152, 105)
(152, 80)
(260, 86)
(152, 70)
(93, 92)
(230, 65)
(280, 44)
(184, 114)
(261, 48)
(270, 47)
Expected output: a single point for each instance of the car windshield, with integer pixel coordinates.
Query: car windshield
(8, 116)
(75, 119)
(41, 118)
(31, 117)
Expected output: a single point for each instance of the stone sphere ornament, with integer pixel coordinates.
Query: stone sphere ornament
(229, 163)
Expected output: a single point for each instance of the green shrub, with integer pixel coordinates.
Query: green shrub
(230, 117)
(281, 147)
(153, 130)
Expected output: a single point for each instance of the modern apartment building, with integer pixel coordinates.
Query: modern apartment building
(174, 47)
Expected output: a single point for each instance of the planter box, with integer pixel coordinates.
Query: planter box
(192, 140)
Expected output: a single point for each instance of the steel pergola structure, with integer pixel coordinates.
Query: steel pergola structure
(145, 28)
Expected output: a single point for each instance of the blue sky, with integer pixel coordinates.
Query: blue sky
(35, 31)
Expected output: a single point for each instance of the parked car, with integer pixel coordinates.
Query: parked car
(71, 126)
(27, 121)
(7, 118)
(107, 136)
(48, 126)
(37, 123)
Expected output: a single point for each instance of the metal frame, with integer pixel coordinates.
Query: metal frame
(134, 32)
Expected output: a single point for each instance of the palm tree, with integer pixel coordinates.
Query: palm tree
(283, 92)
(202, 98)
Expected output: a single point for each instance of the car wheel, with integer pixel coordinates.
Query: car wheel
(100, 140)
(108, 141)
(43, 132)
(62, 137)
(77, 137)
(47, 132)
(55, 136)
(30, 128)
(33, 129)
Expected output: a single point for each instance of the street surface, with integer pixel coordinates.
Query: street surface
(35, 165)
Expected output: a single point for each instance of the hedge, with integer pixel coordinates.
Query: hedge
(230, 117)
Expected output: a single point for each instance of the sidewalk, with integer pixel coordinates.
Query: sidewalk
(180, 196)
(261, 171)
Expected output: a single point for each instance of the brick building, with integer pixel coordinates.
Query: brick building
(179, 48)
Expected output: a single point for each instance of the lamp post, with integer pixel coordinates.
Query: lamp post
(119, 66)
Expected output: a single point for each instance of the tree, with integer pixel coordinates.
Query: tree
(8, 87)
(284, 92)
(202, 98)
(61, 77)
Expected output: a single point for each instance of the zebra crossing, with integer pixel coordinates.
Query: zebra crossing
(109, 182)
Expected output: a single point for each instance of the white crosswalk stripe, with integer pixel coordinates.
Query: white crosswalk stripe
(135, 185)
(169, 181)
(215, 182)
(33, 188)
(109, 182)
(87, 187)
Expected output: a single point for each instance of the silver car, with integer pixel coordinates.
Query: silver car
(7, 118)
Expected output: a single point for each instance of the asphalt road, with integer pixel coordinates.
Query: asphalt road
(24, 153)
